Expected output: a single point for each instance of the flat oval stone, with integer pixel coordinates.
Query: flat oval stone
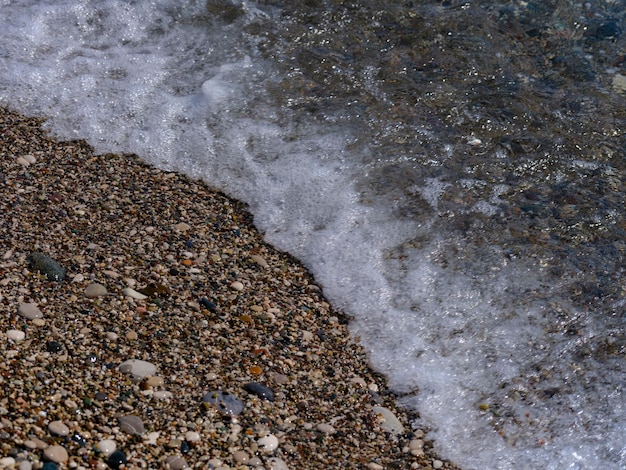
(176, 463)
(325, 428)
(134, 294)
(131, 424)
(59, 428)
(390, 423)
(226, 402)
(95, 290)
(47, 266)
(138, 368)
(259, 390)
(238, 286)
(30, 311)
(56, 454)
(107, 446)
(16, 335)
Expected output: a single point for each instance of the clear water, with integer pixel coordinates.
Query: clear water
(452, 173)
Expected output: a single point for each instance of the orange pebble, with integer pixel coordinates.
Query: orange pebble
(255, 370)
(187, 262)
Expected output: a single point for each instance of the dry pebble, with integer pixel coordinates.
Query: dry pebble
(56, 454)
(16, 335)
(30, 311)
(58, 428)
(95, 290)
(200, 303)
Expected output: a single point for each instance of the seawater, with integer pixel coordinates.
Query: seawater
(452, 173)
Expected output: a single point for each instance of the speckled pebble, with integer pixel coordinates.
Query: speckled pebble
(58, 428)
(56, 454)
(268, 443)
(95, 290)
(176, 463)
(226, 402)
(30, 311)
(131, 424)
(138, 368)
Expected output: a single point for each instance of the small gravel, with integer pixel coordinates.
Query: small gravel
(196, 306)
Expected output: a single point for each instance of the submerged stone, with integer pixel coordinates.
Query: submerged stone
(226, 402)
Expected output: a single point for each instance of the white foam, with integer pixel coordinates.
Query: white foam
(158, 79)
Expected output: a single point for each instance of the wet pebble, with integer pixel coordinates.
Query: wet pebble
(268, 443)
(56, 454)
(138, 368)
(95, 290)
(107, 446)
(131, 424)
(47, 266)
(117, 459)
(241, 457)
(30, 311)
(192, 436)
(389, 422)
(277, 464)
(50, 466)
(58, 428)
(226, 402)
(259, 390)
(54, 347)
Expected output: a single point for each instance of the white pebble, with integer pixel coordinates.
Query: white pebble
(134, 294)
(268, 443)
(277, 464)
(151, 438)
(78, 278)
(238, 286)
(437, 464)
(25, 465)
(7, 461)
(107, 446)
(138, 368)
(162, 395)
(16, 335)
(389, 423)
(325, 428)
(192, 436)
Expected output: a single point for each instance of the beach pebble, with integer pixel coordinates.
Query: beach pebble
(16, 335)
(241, 457)
(259, 390)
(78, 278)
(389, 423)
(117, 459)
(47, 266)
(268, 443)
(182, 227)
(416, 447)
(151, 438)
(7, 462)
(192, 436)
(238, 286)
(437, 464)
(25, 465)
(131, 424)
(134, 294)
(56, 454)
(58, 428)
(138, 368)
(260, 261)
(226, 402)
(107, 446)
(325, 428)
(277, 464)
(176, 463)
(162, 395)
(30, 311)
(95, 290)
(153, 381)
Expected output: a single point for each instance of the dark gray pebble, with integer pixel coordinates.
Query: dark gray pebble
(226, 402)
(117, 459)
(46, 265)
(54, 347)
(259, 390)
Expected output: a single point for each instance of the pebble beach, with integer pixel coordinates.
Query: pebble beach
(146, 324)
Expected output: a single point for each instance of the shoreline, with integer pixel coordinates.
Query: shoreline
(212, 307)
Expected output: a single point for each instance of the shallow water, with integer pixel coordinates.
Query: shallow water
(451, 172)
